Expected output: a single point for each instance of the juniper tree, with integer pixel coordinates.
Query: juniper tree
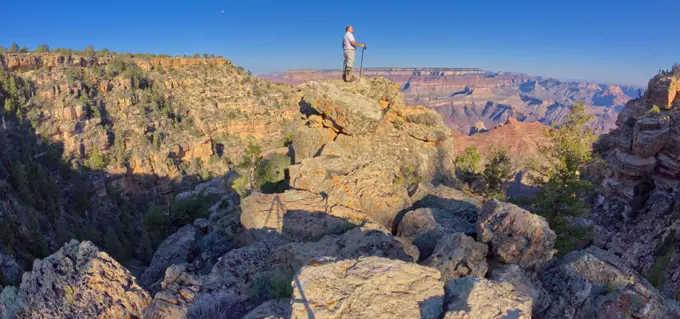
(560, 198)
(497, 171)
(42, 48)
(467, 164)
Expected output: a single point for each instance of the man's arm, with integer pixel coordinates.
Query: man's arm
(354, 44)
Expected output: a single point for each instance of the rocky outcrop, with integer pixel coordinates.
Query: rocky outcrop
(478, 127)
(457, 255)
(515, 235)
(645, 144)
(473, 297)
(368, 287)
(594, 283)
(181, 247)
(352, 112)
(366, 186)
(79, 281)
(431, 160)
(662, 91)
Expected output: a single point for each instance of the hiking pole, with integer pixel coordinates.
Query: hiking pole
(361, 68)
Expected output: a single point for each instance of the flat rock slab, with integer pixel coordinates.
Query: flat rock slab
(473, 297)
(368, 287)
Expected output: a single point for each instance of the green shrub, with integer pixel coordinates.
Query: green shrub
(654, 111)
(656, 273)
(288, 139)
(497, 171)
(163, 220)
(23, 49)
(242, 186)
(271, 172)
(96, 160)
(467, 164)
(89, 51)
(42, 48)
(272, 284)
(14, 48)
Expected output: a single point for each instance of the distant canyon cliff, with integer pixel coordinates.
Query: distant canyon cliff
(472, 99)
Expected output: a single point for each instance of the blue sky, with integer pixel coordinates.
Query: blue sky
(623, 42)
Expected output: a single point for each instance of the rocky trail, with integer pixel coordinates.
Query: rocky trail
(366, 227)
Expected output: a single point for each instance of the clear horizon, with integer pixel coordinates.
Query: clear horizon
(624, 43)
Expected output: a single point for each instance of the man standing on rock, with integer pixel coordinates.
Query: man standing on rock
(349, 46)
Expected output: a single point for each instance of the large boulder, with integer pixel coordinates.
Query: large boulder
(178, 248)
(349, 110)
(232, 276)
(594, 283)
(525, 284)
(299, 215)
(79, 281)
(308, 141)
(427, 161)
(516, 236)
(368, 287)
(367, 186)
(458, 255)
(473, 297)
(180, 288)
(424, 227)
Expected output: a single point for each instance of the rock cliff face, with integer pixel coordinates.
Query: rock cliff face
(465, 97)
(638, 213)
(83, 137)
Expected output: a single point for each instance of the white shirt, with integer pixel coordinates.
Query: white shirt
(347, 41)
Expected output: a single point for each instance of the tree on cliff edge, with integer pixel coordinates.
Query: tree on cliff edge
(560, 199)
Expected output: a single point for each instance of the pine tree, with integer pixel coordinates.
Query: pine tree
(561, 197)
(14, 48)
